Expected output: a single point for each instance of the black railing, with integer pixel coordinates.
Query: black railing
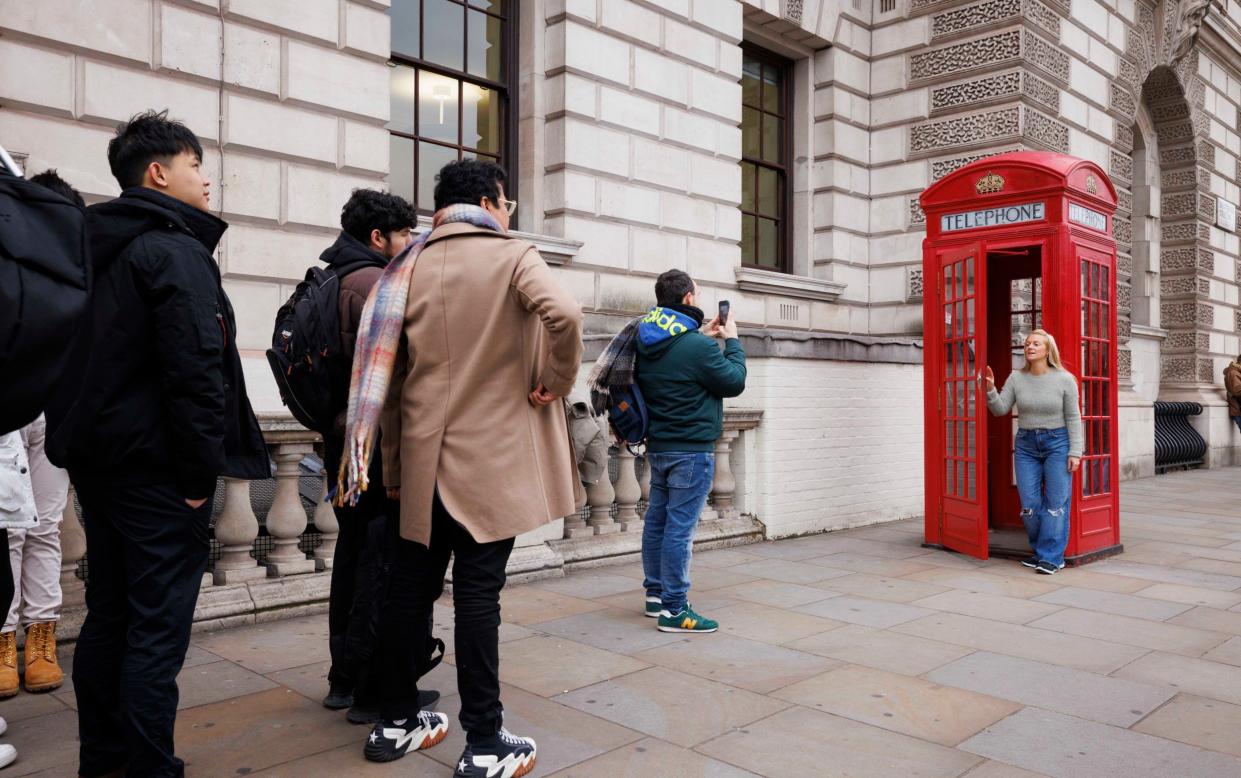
(1177, 443)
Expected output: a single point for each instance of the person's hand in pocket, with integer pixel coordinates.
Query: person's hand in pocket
(196, 504)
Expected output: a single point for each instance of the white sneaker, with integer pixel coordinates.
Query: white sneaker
(4, 726)
(8, 755)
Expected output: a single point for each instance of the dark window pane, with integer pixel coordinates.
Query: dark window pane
(773, 85)
(402, 82)
(484, 46)
(747, 240)
(437, 106)
(751, 73)
(773, 131)
(748, 202)
(495, 6)
(481, 118)
(430, 159)
(401, 163)
(445, 44)
(404, 20)
(768, 243)
(768, 192)
(749, 132)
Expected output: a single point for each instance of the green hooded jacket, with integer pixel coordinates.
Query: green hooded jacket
(684, 377)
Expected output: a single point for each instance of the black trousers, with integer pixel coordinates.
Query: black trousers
(148, 552)
(417, 580)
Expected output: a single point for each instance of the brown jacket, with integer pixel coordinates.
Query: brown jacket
(1232, 384)
(485, 323)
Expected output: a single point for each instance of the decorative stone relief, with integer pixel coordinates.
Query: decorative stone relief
(913, 284)
(1044, 17)
(1124, 297)
(1124, 266)
(1120, 101)
(1178, 232)
(1177, 368)
(961, 57)
(1124, 200)
(942, 167)
(1171, 133)
(1174, 313)
(1122, 230)
(1177, 109)
(1046, 130)
(1128, 71)
(1206, 208)
(1124, 362)
(1206, 152)
(1045, 55)
(793, 10)
(963, 130)
(1040, 91)
(1183, 178)
(916, 217)
(989, 12)
(1124, 138)
(1173, 260)
(1174, 287)
(1179, 204)
(1177, 157)
(1180, 340)
(1120, 165)
(978, 90)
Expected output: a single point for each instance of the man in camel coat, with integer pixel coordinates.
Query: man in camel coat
(476, 447)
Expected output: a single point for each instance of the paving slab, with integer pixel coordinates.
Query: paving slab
(1155, 635)
(589, 584)
(800, 741)
(748, 664)
(1061, 745)
(612, 629)
(564, 736)
(347, 760)
(1210, 619)
(859, 563)
(860, 610)
(673, 706)
(769, 625)
(1194, 676)
(205, 684)
(997, 607)
(1063, 689)
(270, 646)
(1114, 603)
(778, 594)
(1096, 656)
(28, 706)
(913, 706)
(652, 758)
(991, 769)
(842, 543)
(977, 581)
(529, 605)
(1228, 652)
(881, 649)
(548, 665)
(788, 571)
(44, 743)
(1226, 583)
(1198, 721)
(1191, 595)
(725, 557)
(878, 587)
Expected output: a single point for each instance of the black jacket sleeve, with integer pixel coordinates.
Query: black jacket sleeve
(723, 373)
(181, 291)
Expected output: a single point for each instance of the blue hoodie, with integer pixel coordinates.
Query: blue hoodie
(684, 377)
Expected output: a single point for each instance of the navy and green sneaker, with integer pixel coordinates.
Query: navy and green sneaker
(653, 607)
(685, 621)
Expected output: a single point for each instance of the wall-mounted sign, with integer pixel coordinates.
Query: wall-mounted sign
(993, 217)
(1225, 215)
(1087, 217)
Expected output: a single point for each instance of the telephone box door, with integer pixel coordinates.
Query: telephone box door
(962, 434)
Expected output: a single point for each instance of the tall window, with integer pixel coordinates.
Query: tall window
(452, 61)
(765, 142)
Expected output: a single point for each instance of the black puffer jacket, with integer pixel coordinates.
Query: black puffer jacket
(163, 398)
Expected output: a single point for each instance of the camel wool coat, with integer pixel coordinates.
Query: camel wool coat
(485, 323)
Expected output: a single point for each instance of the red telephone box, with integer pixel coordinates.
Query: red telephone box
(1017, 242)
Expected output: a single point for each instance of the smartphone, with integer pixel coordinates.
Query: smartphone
(723, 311)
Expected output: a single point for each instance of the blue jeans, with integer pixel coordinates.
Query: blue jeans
(1237, 420)
(1046, 486)
(679, 485)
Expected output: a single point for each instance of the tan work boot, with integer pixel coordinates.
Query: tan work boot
(9, 683)
(43, 672)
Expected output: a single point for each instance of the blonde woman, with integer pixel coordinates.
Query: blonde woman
(1048, 447)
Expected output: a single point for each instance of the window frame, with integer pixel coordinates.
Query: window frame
(506, 90)
(784, 229)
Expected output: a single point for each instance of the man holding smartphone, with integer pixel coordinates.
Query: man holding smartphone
(684, 378)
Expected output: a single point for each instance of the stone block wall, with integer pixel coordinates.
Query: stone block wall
(289, 98)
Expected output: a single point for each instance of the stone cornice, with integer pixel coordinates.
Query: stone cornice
(554, 250)
(804, 287)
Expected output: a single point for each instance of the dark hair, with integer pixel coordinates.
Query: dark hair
(467, 181)
(672, 286)
(148, 137)
(370, 209)
(50, 179)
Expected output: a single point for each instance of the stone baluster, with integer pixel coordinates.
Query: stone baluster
(644, 482)
(286, 520)
(724, 486)
(599, 496)
(72, 549)
(328, 526)
(628, 492)
(236, 529)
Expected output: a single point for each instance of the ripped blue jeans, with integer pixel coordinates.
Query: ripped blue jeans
(1041, 459)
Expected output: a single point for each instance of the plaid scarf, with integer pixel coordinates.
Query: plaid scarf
(615, 367)
(379, 336)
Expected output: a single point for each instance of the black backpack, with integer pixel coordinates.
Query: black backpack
(306, 355)
(45, 282)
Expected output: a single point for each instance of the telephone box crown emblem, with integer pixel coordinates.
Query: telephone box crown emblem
(1092, 186)
(989, 184)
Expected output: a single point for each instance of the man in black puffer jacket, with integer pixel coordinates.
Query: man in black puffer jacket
(162, 412)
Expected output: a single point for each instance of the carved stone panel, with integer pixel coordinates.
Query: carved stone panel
(1179, 204)
(991, 12)
(1120, 165)
(1047, 56)
(1045, 130)
(1121, 101)
(1183, 178)
(965, 130)
(1122, 231)
(793, 10)
(916, 216)
(979, 90)
(942, 167)
(913, 284)
(1124, 138)
(1040, 91)
(963, 57)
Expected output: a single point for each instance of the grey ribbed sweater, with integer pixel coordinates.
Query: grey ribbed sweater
(1046, 401)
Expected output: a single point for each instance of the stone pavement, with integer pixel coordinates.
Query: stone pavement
(854, 653)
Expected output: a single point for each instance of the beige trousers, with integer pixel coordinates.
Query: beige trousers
(35, 553)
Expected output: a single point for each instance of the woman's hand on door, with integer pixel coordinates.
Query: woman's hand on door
(989, 378)
(1074, 464)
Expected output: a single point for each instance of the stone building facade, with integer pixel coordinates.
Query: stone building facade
(775, 149)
